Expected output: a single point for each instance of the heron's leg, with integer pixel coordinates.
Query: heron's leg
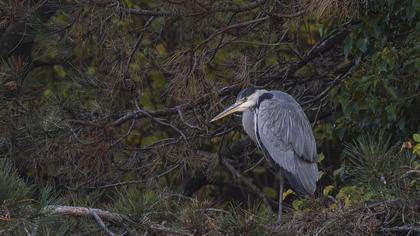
(280, 200)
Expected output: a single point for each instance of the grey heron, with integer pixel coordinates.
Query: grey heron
(280, 128)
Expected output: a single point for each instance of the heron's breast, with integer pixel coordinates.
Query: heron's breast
(248, 124)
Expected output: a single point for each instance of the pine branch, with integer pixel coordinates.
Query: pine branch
(85, 212)
(101, 223)
(100, 215)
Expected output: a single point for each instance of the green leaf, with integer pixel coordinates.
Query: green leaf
(347, 45)
(416, 5)
(320, 157)
(327, 190)
(320, 174)
(416, 137)
(60, 71)
(362, 44)
(338, 171)
(270, 192)
(297, 204)
(287, 193)
(416, 149)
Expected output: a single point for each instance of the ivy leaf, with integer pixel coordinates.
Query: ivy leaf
(416, 149)
(287, 193)
(320, 157)
(327, 190)
(416, 137)
(297, 204)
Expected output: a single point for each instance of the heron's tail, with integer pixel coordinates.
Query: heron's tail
(304, 176)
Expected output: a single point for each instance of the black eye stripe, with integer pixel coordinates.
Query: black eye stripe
(246, 92)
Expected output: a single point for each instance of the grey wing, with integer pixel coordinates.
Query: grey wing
(285, 135)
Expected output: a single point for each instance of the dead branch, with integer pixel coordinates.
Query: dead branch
(85, 212)
(237, 25)
(101, 223)
(319, 48)
(404, 228)
(238, 9)
(237, 175)
(99, 215)
(165, 13)
(160, 13)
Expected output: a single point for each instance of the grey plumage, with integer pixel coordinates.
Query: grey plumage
(285, 135)
(277, 123)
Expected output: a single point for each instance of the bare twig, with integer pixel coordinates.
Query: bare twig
(166, 13)
(410, 172)
(237, 25)
(320, 47)
(237, 175)
(404, 228)
(238, 9)
(101, 223)
(155, 13)
(84, 211)
(337, 80)
(137, 181)
(137, 44)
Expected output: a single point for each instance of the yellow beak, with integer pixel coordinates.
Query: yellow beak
(232, 109)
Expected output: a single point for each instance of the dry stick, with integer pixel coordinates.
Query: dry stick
(137, 181)
(101, 224)
(237, 175)
(102, 215)
(160, 13)
(164, 13)
(241, 24)
(84, 211)
(137, 44)
(336, 81)
(404, 228)
(238, 9)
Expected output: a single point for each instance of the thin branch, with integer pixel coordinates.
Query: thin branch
(103, 215)
(404, 228)
(137, 181)
(159, 13)
(237, 175)
(238, 9)
(84, 211)
(137, 44)
(238, 25)
(320, 47)
(101, 224)
(165, 13)
(337, 80)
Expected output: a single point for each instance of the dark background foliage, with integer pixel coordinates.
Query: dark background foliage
(106, 105)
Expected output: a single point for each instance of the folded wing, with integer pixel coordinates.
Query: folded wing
(285, 135)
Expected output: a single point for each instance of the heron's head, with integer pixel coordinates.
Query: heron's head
(246, 99)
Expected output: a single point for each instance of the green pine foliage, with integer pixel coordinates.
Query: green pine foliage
(12, 188)
(71, 72)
